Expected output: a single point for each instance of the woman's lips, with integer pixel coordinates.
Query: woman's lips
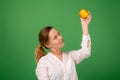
(61, 42)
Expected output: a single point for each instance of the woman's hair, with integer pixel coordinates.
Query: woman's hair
(43, 40)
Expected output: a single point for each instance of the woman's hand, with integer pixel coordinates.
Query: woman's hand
(84, 23)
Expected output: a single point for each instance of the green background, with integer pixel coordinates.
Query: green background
(21, 21)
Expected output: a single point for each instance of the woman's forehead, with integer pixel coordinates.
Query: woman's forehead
(52, 33)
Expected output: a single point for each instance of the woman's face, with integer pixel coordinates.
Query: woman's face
(55, 39)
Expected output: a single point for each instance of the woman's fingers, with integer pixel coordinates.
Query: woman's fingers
(87, 20)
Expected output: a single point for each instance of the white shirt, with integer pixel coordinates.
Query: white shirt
(49, 67)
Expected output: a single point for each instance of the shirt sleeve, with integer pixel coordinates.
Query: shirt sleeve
(41, 70)
(84, 52)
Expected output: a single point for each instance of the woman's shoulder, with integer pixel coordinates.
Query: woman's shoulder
(71, 52)
(68, 52)
(44, 58)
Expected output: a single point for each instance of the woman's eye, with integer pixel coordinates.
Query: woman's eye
(55, 37)
(59, 34)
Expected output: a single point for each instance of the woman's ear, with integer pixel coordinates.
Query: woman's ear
(47, 45)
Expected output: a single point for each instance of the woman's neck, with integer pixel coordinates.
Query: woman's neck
(56, 52)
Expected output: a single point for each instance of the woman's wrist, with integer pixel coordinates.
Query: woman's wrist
(85, 30)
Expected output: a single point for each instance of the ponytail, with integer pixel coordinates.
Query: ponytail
(39, 52)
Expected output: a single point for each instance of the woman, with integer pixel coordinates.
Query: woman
(59, 65)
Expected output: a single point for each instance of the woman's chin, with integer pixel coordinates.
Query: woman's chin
(62, 45)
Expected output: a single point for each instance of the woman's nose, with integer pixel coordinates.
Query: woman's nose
(60, 37)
